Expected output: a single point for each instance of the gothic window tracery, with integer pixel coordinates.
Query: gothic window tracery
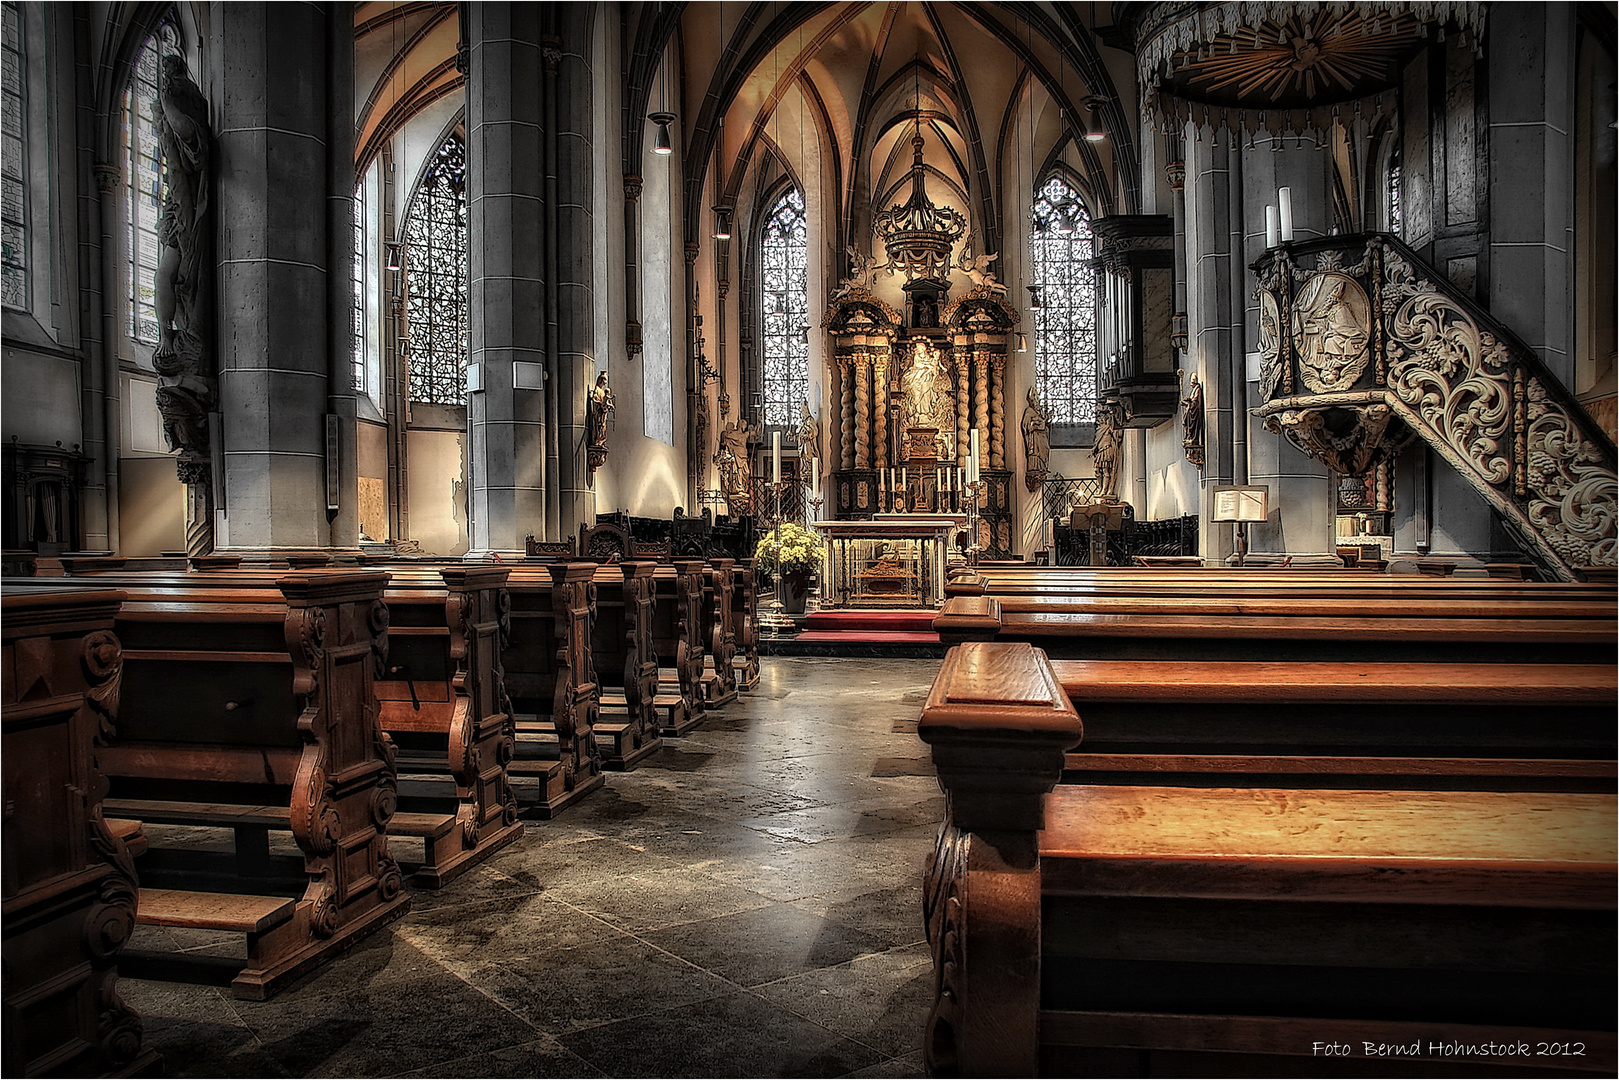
(784, 308)
(1065, 322)
(143, 175)
(435, 242)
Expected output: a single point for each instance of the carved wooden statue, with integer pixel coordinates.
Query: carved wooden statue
(1108, 453)
(1036, 443)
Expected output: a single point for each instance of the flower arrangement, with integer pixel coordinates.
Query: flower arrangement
(801, 550)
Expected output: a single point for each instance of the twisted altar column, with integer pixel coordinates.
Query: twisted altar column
(997, 412)
(862, 411)
(883, 421)
(846, 412)
(963, 402)
(981, 393)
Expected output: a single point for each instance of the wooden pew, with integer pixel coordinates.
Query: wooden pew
(719, 632)
(70, 889)
(552, 678)
(622, 661)
(1313, 724)
(1141, 930)
(1228, 625)
(682, 621)
(677, 636)
(251, 706)
(745, 618)
(443, 700)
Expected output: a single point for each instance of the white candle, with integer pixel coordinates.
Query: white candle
(972, 458)
(775, 456)
(1284, 216)
(1273, 230)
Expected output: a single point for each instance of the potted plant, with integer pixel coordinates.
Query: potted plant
(798, 556)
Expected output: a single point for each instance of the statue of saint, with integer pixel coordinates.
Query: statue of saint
(809, 441)
(1192, 423)
(736, 465)
(601, 410)
(1036, 443)
(180, 114)
(930, 395)
(1107, 454)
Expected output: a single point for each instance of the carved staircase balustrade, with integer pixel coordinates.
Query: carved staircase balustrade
(1364, 347)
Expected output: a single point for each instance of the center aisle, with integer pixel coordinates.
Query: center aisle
(746, 903)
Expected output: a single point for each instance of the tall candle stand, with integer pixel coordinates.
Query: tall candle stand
(813, 603)
(775, 618)
(972, 497)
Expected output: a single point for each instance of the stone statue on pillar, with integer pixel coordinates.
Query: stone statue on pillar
(1036, 443)
(1192, 423)
(600, 413)
(187, 386)
(1108, 452)
(736, 465)
(809, 442)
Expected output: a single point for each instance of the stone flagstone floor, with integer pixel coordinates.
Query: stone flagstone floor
(747, 903)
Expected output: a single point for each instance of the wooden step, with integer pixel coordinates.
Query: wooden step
(213, 911)
(212, 815)
(131, 833)
(431, 826)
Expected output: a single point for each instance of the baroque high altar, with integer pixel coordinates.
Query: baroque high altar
(910, 387)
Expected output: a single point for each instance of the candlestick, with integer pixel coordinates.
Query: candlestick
(775, 457)
(1284, 216)
(1273, 229)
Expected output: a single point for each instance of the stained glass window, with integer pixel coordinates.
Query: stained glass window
(143, 171)
(435, 239)
(13, 165)
(784, 308)
(1065, 321)
(367, 288)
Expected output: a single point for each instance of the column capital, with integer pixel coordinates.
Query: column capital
(632, 187)
(551, 53)
(106, 174)
(1175, 173)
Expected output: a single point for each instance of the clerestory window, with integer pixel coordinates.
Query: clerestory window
(784, 308)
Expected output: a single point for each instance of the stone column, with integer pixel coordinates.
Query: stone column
(278, 98)
(574, 294)
(506, 289)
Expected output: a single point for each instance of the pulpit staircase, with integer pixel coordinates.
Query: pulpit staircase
(1364, 347)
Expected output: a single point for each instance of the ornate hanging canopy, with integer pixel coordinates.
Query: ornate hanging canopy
(1284, 66)
(917, 235)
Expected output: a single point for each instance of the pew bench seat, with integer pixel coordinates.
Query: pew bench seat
(1415, 724)
(1251, 921)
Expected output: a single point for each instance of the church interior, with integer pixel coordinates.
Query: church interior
(874, 539)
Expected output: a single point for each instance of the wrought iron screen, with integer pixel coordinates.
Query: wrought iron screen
(1059, 494)
(784, 308)
(435, 237)
(1060, 251)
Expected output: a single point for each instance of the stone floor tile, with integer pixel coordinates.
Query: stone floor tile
(541, 1058)
(754, 947)
(639, 902)
(906, 1065)
(738, 1035)
(881, 1000)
